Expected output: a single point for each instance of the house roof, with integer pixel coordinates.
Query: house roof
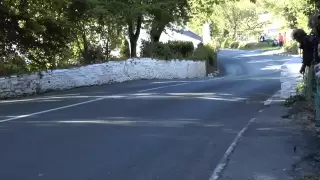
(192, 35)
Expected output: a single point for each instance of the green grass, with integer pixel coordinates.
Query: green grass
(291, 48)
(264, 46)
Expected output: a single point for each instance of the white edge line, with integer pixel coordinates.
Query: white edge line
(269, 101)
(223, 162)
(77, 104)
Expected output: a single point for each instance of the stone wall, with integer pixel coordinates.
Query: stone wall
(98, 74)
(290, 77)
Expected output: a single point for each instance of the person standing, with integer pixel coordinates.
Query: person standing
(281, 40)
(308, 44)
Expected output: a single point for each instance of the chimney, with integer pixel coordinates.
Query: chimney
(206, 33)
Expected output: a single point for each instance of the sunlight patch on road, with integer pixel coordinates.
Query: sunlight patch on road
(272, 67)
(129, 121)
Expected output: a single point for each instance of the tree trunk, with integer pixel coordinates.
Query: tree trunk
(235, 29)
(156, 31)
(133, 36)
(155, 36)
(85, 53)
(133, 48)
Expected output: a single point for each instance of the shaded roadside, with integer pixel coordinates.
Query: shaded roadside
(281, 144)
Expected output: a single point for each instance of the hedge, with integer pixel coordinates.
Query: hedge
(227, 42)
(179, 50)
(170, 50)
(291, 47)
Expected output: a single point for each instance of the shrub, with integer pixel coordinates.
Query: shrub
(250, 45)
(94, 54)
(156, 50)
(13, 65)
(226, 42)
(234, 45)
(216, 44)
(242, 44)
(125, 49)
(205, 53)
(145, 49)
(170, 50)
(162, 51)
(181, 48)
(291, 47)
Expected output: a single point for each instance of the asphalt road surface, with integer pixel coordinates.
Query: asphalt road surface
(139, 130)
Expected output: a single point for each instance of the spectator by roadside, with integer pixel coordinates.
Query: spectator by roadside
(308, 45)
(281, 40)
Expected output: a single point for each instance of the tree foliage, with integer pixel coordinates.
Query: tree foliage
(230, 18)
(47, 34)
(295, 12)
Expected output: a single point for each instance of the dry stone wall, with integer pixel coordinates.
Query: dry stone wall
(98, 74)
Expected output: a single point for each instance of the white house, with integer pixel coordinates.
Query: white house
(171, 35)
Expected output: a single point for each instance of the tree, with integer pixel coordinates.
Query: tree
(242, 16)
(130, 14)
(33, 29)
(295, 12)
(164, 12)
(231, 16)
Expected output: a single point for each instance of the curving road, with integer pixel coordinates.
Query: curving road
(140, 130)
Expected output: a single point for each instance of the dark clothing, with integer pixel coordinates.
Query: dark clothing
(281, 44)
(309, 46)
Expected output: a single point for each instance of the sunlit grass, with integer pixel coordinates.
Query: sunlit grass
(264, 46)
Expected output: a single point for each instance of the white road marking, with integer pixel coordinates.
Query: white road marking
(78, 104)
(161, 87)
(269, 101)
(223, 162)
(50, 110)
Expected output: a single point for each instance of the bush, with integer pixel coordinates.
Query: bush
(216, 44)
(234, 45)
(125, 49)
(145, 49)
(94, 54)
(291, 47)
(226, 43)
(162, 51)
(157, 50)
(205, 53)
(13, 65)
(166, 51)
(181, 48)
(250, 45)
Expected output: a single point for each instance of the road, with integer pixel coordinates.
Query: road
(139, 130)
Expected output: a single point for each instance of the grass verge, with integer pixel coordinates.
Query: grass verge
(264, 46)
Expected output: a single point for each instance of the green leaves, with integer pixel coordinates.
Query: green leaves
(234, 17)
(293, 11)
